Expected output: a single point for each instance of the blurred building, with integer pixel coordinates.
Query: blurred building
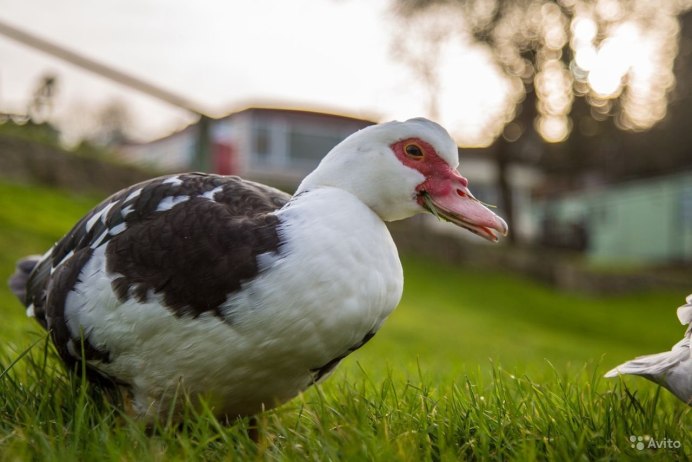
(281, 146)
(642, 221)
(277, 146)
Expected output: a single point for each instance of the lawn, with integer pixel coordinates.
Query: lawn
(472, 365)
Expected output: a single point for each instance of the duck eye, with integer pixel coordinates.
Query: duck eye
(413, 150)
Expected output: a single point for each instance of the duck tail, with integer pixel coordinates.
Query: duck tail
(19, 280)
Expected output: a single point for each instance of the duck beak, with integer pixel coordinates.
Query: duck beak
(446, 195)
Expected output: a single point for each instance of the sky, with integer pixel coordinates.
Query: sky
(333, 55)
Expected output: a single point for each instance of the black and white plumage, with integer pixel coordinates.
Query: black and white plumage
(672, 369)
(235, 291)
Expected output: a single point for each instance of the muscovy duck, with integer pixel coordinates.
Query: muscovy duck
(235, 292)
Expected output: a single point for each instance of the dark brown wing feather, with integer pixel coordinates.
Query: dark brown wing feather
(193, 255)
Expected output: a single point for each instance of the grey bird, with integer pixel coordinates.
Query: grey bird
(672, 369)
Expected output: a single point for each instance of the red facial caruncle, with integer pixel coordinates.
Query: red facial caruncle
(444, 192)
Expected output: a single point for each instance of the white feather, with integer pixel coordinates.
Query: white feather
(99, 216)
(174, 180)
(97, 242)
(133, 194)
(117, 229)
(169, 202)
(65, 258)
(210, 194)
(128, 209)
(685, 312)
(671, 369)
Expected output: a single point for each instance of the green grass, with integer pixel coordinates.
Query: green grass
(473, 365)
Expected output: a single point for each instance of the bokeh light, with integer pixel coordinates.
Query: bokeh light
(616, 54)
(626, 54)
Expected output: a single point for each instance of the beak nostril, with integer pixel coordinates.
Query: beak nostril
(461, 193)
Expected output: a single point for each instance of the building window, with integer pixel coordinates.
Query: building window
(309, 148)
(261, 142)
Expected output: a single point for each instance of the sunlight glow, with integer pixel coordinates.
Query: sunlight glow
(553, 85)
(461, 84)
(626, 55)
(553, 81)
(475, 101)
(620, 62)
(554, 129)
(614, 58)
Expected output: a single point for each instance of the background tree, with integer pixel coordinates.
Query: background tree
(42, 101)
(103, 126)
(582, 70)
(112, 124)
